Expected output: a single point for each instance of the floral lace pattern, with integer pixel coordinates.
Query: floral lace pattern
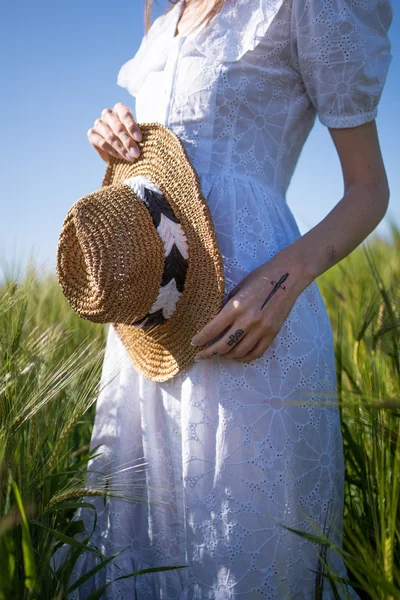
(232, 453)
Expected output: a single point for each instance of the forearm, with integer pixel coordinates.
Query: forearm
(353, 218)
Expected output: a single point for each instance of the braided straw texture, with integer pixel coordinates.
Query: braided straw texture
(105, 247)
(161, 353)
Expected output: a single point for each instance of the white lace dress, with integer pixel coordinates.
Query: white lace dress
(225, 453)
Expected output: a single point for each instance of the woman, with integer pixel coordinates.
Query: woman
(248, 438)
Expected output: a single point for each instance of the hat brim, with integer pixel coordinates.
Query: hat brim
(161, 353)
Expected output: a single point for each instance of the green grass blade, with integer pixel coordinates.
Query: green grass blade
(27, 548)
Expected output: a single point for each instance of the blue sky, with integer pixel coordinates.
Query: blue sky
(59, 64)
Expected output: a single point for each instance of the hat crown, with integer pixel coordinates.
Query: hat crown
(110, 259)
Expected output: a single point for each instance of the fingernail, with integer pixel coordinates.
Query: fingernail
(197, 358)
(137, 136)
(193, 344)
(128, 156)
(134, 151)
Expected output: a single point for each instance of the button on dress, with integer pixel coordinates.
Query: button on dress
(224, 455)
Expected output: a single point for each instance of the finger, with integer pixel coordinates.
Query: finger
(97, 140)
(105, 129)
(127, 119)
(257, 351)
(223, 319)
(225, 344)
(111, 118)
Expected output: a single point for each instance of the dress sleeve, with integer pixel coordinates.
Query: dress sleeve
(343, 52)
(129, 74)
(148, 58)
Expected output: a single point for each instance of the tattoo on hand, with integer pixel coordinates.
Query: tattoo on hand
(235, 337)
(277, 284)
(330, 252)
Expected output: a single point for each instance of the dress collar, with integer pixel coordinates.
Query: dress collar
(175, 15)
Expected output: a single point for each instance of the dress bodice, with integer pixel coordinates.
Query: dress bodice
(243, 94)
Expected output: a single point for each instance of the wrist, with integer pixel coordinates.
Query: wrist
(300, 268)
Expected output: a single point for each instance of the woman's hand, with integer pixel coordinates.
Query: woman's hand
(116, 133)
(254, 312)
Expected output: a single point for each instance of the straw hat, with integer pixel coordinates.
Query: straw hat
(141, 253)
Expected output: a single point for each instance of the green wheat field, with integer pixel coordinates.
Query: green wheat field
(50, 366)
